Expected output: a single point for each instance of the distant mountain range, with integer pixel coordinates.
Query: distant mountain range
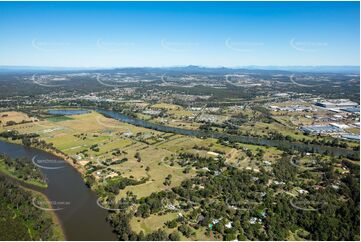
(190, 68)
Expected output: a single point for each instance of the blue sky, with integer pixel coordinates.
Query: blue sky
(116, 34)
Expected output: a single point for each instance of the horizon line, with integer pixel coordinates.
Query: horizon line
(175, 66)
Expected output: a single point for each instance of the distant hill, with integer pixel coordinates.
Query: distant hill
(187, 69)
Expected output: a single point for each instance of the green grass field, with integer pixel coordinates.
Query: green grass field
(59, 118)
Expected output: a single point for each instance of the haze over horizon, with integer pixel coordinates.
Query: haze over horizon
(163, 34)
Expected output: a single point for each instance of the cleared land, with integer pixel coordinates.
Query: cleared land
(96, 141)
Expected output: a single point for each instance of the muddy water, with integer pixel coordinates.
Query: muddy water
(77, 210)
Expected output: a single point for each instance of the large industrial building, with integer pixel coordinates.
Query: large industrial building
(351, 110)
(337, 104)
(320, 129)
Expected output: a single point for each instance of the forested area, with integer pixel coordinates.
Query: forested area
(22, 169)
(285, 203)
(19, 218)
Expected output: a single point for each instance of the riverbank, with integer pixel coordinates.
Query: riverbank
(60, 155)
(58, 229)
(54, 152)
(280, 144)
(68, 194)
(6, 171)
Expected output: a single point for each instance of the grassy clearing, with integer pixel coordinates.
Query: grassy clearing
(16, 117)
(59, 118)
(261, 129)
(72, 136)
(157, 173)
(353, 130)
(173, 109)
(152, 223)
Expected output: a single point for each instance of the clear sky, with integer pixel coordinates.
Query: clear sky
(117, 34)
